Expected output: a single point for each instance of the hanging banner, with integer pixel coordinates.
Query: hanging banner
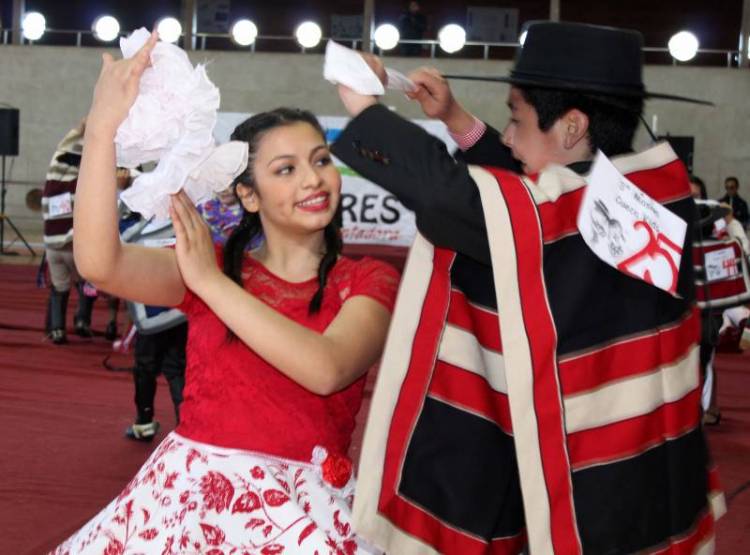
(371, 214)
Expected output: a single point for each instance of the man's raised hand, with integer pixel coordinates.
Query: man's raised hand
(436, 99)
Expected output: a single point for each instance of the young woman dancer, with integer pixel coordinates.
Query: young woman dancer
(279, 343)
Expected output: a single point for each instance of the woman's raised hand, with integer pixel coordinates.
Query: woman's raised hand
(117, 88)
(196, 257)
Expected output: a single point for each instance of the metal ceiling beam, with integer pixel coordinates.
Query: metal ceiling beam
(744, 46)
(189, 24)
(19, 9)
(554, 10)
(367, 25)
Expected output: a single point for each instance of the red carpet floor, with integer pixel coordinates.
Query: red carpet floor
(62, 416)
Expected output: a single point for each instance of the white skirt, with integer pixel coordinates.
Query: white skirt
(194, 498)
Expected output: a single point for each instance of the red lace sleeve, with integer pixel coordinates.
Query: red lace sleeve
(377, 280)
(190, 301)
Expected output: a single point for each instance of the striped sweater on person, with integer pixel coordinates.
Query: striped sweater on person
(61, 180)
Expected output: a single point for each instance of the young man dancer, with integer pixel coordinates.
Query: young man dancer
(531, 396)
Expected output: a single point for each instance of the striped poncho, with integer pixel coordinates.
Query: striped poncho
(548, 403)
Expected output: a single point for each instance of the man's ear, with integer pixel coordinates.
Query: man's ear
(248, 197)
(575, 128)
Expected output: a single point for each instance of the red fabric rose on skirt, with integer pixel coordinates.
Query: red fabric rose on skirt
(336, 469)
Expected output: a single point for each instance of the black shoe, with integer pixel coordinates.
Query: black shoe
(110, 332)
(57, 307)
(142, 432)
(82, 329)
(711, 417)
(58, 336)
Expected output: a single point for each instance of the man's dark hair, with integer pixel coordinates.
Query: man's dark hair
(612, 120)
(694, 179)
(732, 178)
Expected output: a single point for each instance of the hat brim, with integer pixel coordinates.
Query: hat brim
(579, 87)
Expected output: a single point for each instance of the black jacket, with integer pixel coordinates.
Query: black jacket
(416, 167)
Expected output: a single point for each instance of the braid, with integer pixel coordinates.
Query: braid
(234, 249)
(334, 244)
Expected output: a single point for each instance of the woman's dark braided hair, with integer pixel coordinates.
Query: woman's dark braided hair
(250, 229)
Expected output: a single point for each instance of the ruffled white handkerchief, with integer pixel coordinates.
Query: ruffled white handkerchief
(346, 66)
(172, 121)
(211, 173)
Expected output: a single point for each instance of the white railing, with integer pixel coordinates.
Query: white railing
(730, 57)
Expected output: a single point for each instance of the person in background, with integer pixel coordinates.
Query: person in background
(222, 213)
(733, 199)
(161, 352)
(715, 321)
(710, 319)
(58, 198)
(734, 228)
(159, 345)
(411, 26)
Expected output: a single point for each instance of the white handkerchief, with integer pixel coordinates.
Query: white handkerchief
(346, 66)
(629, 230)
(398, 81)
(212, 172)
(172, 121)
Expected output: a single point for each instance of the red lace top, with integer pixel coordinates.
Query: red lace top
(233, 398)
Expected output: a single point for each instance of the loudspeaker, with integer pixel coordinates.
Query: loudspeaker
(683, 148)
(8, 132)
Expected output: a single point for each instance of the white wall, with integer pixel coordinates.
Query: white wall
(52, 87)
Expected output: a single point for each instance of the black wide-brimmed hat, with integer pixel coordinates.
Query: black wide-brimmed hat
(583, 58)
